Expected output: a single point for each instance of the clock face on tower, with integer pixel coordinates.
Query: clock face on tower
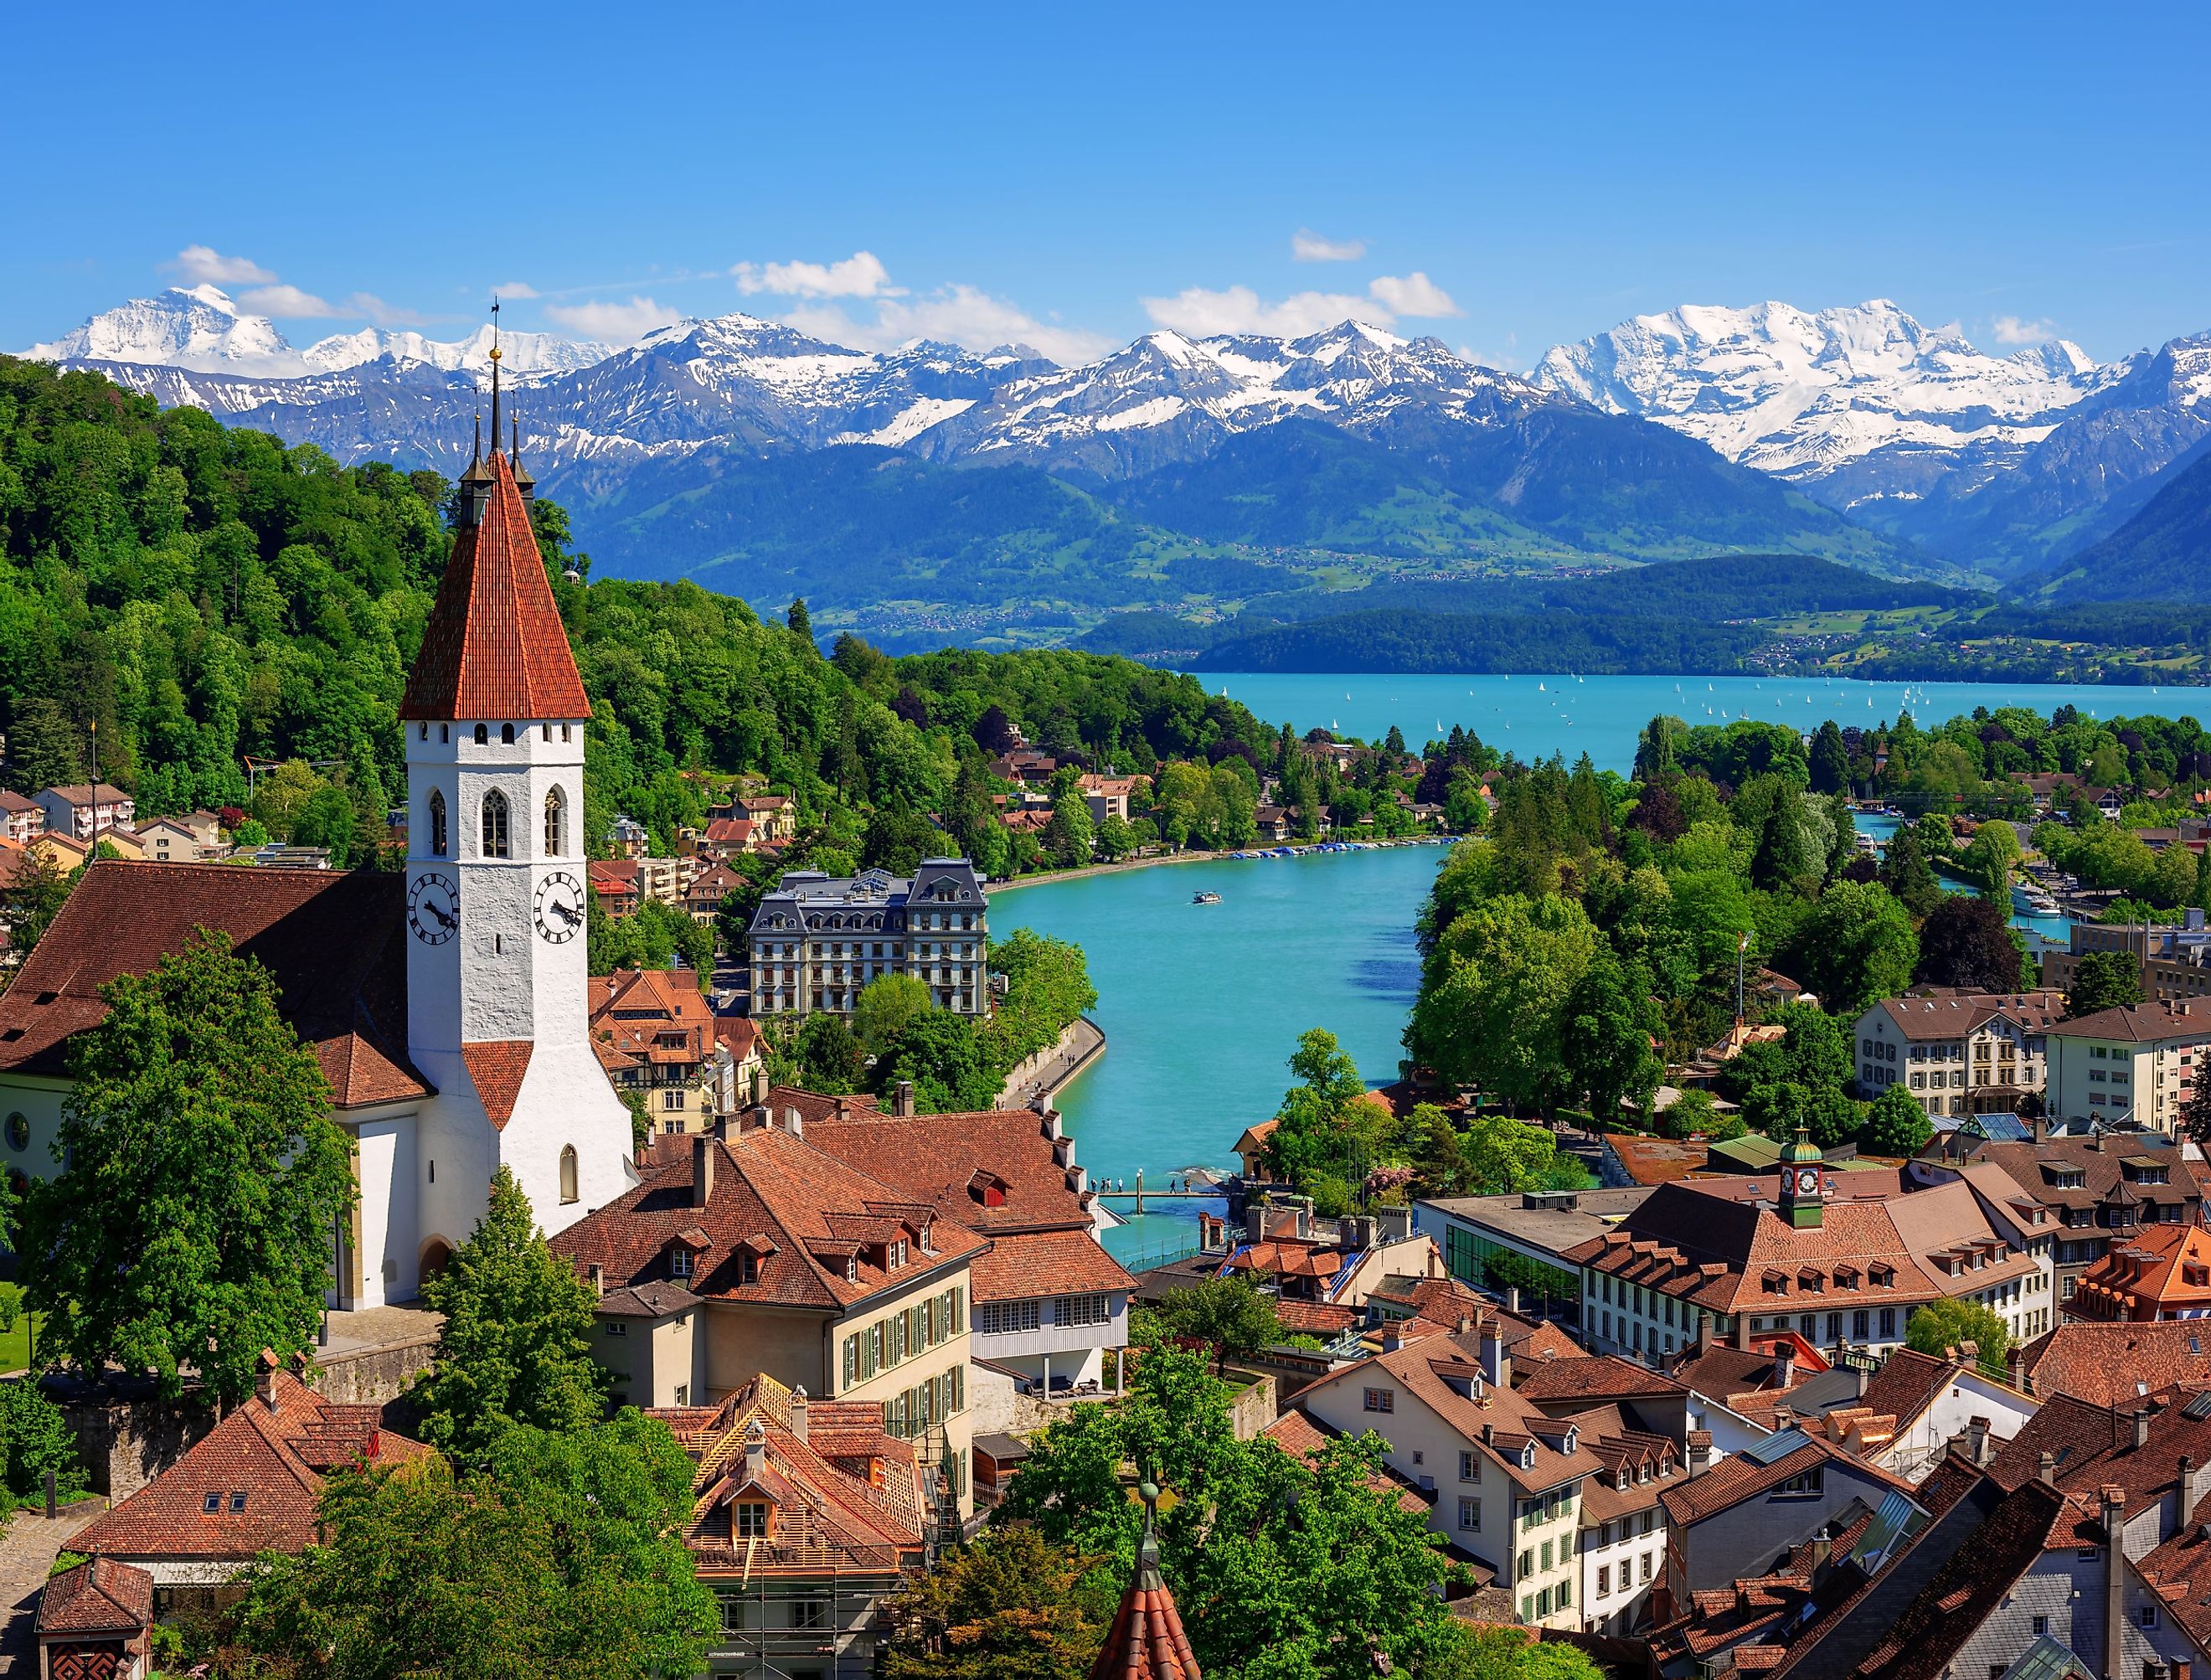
(433, 908)
(1807, 1181)
(559, 907)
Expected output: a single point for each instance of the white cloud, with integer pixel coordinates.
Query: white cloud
(861, 275)
(614, 322)
(202, 266)
(383, 314)
(1239, 309)
(290, 303)
(1307, 246)
(964, 315)
(515, 288)
(2010, 330)
(1414, 295)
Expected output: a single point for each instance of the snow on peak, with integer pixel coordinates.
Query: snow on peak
(198, 328)
(1802, 393)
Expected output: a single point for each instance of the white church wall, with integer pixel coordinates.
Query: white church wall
(391, 1210)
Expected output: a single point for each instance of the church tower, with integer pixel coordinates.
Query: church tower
(498, 966)
(1803, 1168)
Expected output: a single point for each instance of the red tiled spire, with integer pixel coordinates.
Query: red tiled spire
(1147, 1642)
(494, 647)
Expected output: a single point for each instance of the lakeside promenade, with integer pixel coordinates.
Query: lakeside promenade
(1252, 854)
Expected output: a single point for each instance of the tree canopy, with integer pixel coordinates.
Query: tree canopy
(201, 1176)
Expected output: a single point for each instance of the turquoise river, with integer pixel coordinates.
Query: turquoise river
(1202, 1004)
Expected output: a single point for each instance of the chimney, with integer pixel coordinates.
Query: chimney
(599, 1282)
(1740, 1338)
(798, 1411)
(1496, 1363)
(1977, 1439)
(1859, 1377)
(702, 1170)
(1512, 1300)
(1698, 1457)
(2015, 1366)
(1707, 1338)
(755, 1450)
(793, 1123)
(1965, 1353)
(2046, 1471)
(264, 1378)
(2115, 1579)
(1785, 1366)
(902, 1099)
(2142, 1428)
(2040, 1126)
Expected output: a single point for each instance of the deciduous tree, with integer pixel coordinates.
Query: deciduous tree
(1009, 1606)
(1968, 942)
(2104, 980)
(201, 1176)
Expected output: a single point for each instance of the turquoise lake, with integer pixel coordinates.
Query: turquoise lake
(1201, 1005)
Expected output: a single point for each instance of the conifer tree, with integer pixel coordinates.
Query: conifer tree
(515, 1346)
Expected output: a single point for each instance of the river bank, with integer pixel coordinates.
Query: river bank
(1054, 1067)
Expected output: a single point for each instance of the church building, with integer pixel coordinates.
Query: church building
(447, 1005)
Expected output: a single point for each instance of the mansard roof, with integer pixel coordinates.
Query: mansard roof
(495, 646)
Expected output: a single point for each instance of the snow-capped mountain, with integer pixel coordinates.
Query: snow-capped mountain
(1809, 396)
(200, 329)
(195, 327)
(1170, 397)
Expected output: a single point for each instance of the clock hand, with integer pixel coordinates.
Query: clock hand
(566, 910)
(442, 919)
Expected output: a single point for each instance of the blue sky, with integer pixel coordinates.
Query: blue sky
(1508, 177)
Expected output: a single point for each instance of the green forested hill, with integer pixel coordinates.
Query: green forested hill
(202, 594)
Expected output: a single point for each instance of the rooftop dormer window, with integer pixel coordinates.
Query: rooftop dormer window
(748, 1520)
(851, 1268)
(679, 1263)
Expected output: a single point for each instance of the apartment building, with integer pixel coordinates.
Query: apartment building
(754, 1253)
(1958, 1052)
(817, 941)
(2132, 1064)
(2176, 961)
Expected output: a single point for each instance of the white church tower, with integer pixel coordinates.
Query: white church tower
(498, 961)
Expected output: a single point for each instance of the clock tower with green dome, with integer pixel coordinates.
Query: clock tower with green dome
(1801, 1168)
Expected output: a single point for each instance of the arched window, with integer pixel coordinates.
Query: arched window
(437, 822)
(568, 1173)
(484, 735)
(507, 734)
(494, 824)
(557, 808)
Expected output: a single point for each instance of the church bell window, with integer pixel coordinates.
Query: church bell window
(555, 810)
(437, 823)
(494, 824)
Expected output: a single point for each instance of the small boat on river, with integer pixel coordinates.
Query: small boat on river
(1205, 898)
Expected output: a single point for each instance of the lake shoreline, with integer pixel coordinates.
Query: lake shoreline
(1130, 865)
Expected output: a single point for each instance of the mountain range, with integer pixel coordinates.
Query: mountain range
(1198, 475)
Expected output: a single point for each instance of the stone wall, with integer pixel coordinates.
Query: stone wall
(372, 1376)
(1253, 1409)
(125, 1442)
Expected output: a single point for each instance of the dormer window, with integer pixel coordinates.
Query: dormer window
(747, 1268)
(1528, 1456)
(851, 1268)
(927, 1247)
(748, 1520)
(679, 1262)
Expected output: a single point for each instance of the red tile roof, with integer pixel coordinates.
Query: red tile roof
(276, 1453)
(495, 647)
(936, 1158)
(2101, 1362)
(99, 1595)
(1306, 1438)
(495, 1068)
(848, 1498)
(801, 1212)
(1022, 1264)
(334, 943)
(1593, 1377)
(1147, 1641)
(2161, 1271)
(1736, 1478)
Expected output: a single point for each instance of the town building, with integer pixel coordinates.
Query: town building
(774, 817)
(1507, 1479)
(95, 1621)
(2135, 1064)
(2101, 1187)
(249, 1486)
(655, 1035)
(1338, 1264)
(1108, 796)
(816, 941)
(2108, 1363)
(2175, 961)
(21, 819)
(1913, 1410)
(1049, 1306)
(807, 1516)
(1958, 1052)
(703, 893)
(623, 884)
(1841, 1258)
(755, 1251)
(2161, 1274)
(1752, 1508)
(86, 810)
(445, 1003)
(1536, 1227)
(629, 837)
